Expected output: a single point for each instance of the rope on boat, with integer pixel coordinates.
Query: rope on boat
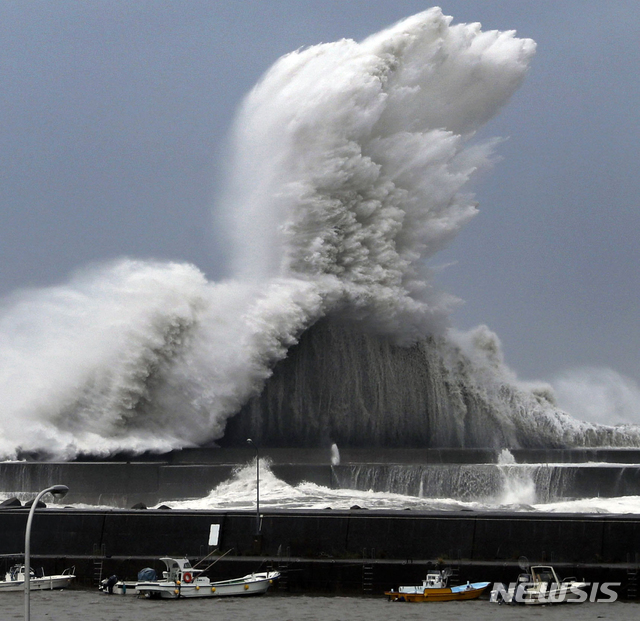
(214, 562)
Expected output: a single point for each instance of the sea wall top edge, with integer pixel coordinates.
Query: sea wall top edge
(320, 456)
(537, 516)
(383, 455)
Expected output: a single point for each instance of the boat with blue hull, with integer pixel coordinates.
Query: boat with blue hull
(434, 589)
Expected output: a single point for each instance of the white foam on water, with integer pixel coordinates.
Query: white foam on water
(239, 492)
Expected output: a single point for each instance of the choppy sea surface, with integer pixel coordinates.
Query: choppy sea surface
(80, 605)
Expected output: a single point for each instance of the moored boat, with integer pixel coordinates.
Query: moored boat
(434, 589)
(113, 586)
(182, 580)
(541, 585)
(15, 578)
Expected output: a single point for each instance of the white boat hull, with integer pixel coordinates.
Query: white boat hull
(539, 588)
(48, 583)
(558, 595)
(252, 584)
(119, 588)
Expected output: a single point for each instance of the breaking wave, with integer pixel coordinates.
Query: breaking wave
(349, 169)
(239, 493)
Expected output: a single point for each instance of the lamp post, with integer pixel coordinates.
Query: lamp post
(252, 443)
(57, 491)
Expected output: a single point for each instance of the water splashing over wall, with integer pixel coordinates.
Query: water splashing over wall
(350, 169)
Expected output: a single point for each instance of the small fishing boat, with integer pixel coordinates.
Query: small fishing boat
(182, 580)
(434, 589)
(540, 585)
(14, 580)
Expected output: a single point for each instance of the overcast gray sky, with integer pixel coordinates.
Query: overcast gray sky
(113, 119)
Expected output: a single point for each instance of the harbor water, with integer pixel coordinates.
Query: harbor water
(80, 605)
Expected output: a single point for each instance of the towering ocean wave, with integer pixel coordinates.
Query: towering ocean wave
(140, 356)
(349, 168)
(341, 384)
(351, 159)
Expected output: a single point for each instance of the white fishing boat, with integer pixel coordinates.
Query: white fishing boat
(15, 578)
(182, 580)
(541, 585)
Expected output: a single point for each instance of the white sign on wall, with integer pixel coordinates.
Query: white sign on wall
(214, 534)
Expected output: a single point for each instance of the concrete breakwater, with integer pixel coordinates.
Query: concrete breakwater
(334, 548)
(328, 550)
(403, 535)
(440, 473)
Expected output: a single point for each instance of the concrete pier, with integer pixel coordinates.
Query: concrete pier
(402, 535)
(340, 551)
(329, 550)
(126, 481)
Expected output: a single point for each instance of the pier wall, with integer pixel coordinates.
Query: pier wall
(319, 550)
(400, 535)
(327, 551)
(125, 484)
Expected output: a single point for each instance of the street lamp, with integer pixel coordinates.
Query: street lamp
(57, 491)
(252, 443)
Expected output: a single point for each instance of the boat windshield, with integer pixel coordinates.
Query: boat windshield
(544, 574)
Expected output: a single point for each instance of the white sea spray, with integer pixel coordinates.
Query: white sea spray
(350, 166)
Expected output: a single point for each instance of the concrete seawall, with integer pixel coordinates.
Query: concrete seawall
(330, 550)
(400, 535)
(125, 484)
(320, 550)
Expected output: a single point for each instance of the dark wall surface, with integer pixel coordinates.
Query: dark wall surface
(402, 535)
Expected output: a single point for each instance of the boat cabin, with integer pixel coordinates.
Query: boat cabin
(434, 580)
(544, 574)
(16, 573)
(177, 568)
